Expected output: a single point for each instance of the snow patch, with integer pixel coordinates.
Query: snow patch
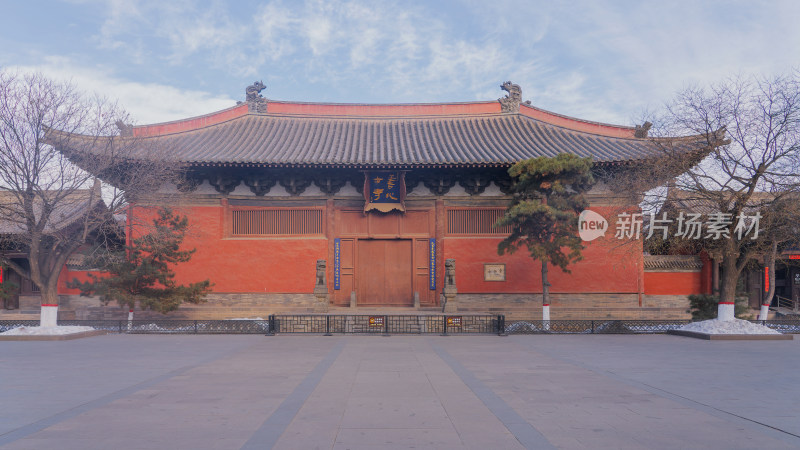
(734, 326)
(45, 331)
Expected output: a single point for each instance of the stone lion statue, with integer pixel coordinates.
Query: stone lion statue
(449, 272)
(321, 272)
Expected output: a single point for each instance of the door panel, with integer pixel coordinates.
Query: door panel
(384, 273)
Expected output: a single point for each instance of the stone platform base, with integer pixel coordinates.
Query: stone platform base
(732, 337)
(564, 306)
(58, 337)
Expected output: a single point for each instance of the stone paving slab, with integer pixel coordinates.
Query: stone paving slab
(351, 392)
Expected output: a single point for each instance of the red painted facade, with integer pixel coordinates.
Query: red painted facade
(673, 283)
(386, 258)
(286, 264)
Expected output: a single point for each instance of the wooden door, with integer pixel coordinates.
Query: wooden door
(384, 272)
(12, 302)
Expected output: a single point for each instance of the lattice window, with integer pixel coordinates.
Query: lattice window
(276, 222)
(475, 221)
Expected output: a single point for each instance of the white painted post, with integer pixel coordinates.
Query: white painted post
(49, 316)
(725, 311)
(546, 316)
(762, 315)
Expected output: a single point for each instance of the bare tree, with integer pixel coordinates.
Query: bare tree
(751, 125)
(50, 207)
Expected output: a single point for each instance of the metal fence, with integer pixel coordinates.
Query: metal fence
(388, 325)
(592, 326)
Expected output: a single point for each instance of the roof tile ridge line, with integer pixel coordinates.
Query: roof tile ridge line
(507, 132)
(247, 135)
(418, 145)
(377, 118)
(282, 134)
(449, 140)
(317, 149)
(459, 141)
(490, 136)
(610, 151)
(572, 130)
(403, 142)
(590, 122)
(560, 135)
(348, 135)
(429, 138)
(287, 102)
(533, 132)
(188, 119)
(200, 128)
(305, 144)
(391, 141)
(339, 137)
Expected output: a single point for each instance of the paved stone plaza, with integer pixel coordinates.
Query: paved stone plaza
(351, 392)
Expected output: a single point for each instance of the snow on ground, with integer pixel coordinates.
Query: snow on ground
(735, 326)
(45, 331)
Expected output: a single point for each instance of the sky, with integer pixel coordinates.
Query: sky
(605, 61)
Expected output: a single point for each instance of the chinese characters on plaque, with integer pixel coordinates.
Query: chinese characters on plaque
(337, 264)
(384, 190)
(494, 272)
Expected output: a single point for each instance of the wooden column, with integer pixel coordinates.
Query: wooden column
(330, 235)
(440, 228)
(224, 226)
(714, 276)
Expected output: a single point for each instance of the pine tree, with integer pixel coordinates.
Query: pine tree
(543, 215)
(142, 273)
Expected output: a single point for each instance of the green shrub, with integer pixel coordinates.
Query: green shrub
(8, 289)
(704, 307)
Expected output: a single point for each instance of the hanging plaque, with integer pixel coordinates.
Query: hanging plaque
(432, 264)
(384, 190)
(337, 264)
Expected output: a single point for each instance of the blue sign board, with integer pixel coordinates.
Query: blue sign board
(384, 190)
(337, 263)
(432, 264)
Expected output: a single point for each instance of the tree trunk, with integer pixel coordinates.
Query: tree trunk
(545, 294)
(770, 278)
(130, 319)
(48, 317)
(727, 291)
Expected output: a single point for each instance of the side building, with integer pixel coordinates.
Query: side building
(312, 207)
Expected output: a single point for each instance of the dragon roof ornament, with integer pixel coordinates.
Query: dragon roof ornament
(256, 103)
(510, 103)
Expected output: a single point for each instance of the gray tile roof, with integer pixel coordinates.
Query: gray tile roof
(672, 263)
(410, 141)
(67, 209)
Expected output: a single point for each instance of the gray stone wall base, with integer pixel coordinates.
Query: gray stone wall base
(229, 306)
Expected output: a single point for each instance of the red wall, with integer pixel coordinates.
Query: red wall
(673, 283)
(68, 275)
(603, 269)
(287, 265)
(279, 265)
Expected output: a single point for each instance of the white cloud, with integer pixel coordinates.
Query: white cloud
(598, 61)
(145, 102)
